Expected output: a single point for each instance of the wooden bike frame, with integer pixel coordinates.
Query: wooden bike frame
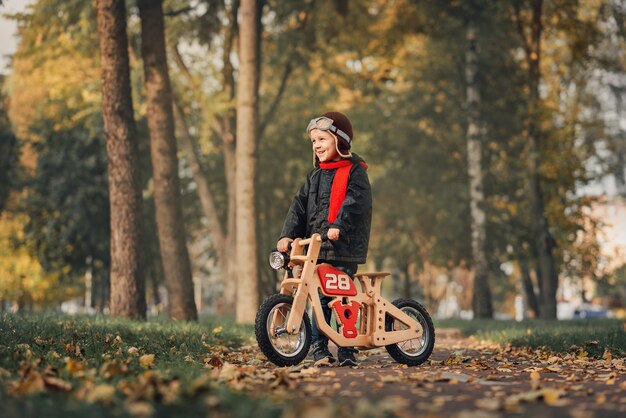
(305, 285)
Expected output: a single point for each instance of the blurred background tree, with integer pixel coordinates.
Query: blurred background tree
(398, 70)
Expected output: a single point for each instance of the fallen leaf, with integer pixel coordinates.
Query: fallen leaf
(140, 409)
(101, 394)
(4, 373)
(390, 378)
(489, 404)
(74, 367)
(147, 360)
(55, 383)
(229, 372)
(283, 378)
(31, 383)
(311, 371)
(213, 362)
(551, 396)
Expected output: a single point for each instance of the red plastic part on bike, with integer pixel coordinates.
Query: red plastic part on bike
(347, 316)
(335, 282)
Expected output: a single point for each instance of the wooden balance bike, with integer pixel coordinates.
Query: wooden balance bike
(365, 319)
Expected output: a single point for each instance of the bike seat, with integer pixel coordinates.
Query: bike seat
(373, 275)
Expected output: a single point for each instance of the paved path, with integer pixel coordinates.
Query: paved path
(464, 378)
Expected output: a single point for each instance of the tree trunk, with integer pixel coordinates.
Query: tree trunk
(127, 283)
(619, 169)
(225, 124)
(481, 300)
(201, 178)
(156, 297)
(229, 140)
(406, 291)
(176, 265)
(221, 241)
(543, 239)
(247, 117)
(528, 289)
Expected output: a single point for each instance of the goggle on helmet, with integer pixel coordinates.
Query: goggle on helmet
(326, 124)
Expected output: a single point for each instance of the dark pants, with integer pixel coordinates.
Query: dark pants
(317, 338)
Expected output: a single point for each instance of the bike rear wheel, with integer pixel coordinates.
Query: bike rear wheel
(279, 346)
(415, 351)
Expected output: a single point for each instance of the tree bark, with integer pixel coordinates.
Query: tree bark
(229, 140)
(127, 282)
(544, 241)
(176, 264)
(406, 291)
(481, 299)
(528, 289)
(247, 119)
(225, 125)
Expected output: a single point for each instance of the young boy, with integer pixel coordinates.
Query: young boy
(336, 198)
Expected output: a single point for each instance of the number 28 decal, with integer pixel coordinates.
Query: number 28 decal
(340, 282)
(335, 281)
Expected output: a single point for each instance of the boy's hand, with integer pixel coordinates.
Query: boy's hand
(333, 234)
(283, 245)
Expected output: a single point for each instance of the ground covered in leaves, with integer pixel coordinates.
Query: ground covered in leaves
(58, 366)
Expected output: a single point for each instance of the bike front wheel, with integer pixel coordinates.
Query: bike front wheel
(278, 345)
(415, 351)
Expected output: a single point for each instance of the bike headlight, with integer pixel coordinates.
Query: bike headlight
(278, 260)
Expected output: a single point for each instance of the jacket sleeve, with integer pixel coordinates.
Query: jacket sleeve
(296, 220)
(358, 201)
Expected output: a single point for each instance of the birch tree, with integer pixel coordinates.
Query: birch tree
(246, 153)
(481, 300)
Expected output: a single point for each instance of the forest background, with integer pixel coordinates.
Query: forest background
(489, 129)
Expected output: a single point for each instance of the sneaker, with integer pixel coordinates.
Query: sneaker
(322, 356)
(346, 356)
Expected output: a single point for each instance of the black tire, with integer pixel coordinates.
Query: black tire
(267, 342)
(399, 351)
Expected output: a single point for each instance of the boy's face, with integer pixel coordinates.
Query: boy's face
(323, 143)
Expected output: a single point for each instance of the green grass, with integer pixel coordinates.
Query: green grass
(170, 341)
(50, 342)
(592, 336)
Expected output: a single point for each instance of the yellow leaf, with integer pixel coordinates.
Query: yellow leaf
(101, 393)
(112, 368)
(147, 360)
(31, 383)
(4, 373)
(140, 409)
(57, 384)
(74, 367)
(551, 396)
(311, 371)
(534, 375)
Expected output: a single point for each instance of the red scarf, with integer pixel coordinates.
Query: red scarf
(340, 185)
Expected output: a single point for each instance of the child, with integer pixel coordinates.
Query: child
(336, 198)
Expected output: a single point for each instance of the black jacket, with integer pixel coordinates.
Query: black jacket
(308, 214)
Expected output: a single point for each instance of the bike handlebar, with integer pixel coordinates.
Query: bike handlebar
(320, 237)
